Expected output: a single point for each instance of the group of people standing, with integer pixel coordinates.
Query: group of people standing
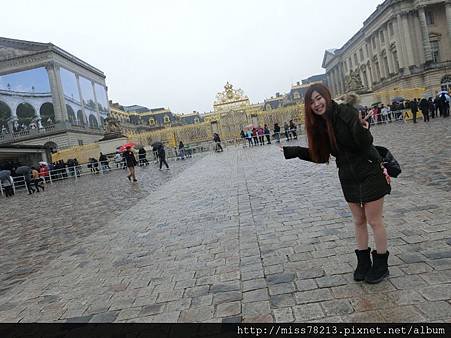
(430, 108)
(256, 136)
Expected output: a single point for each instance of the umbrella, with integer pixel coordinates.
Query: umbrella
(125, 146)
(398, 99)
(442, 92)
(4, 174)
(375, 104)
(23, 170)
(156, 145)
(43, 163)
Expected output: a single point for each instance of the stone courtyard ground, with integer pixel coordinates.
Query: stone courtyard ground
(238, 236)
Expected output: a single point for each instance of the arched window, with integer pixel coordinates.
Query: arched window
(445, 83)
(25, 113)
(48, 114)
(5, 114)
(151, 121)
(93, 123)
(81, 118)
(70, 114)
(166, 119)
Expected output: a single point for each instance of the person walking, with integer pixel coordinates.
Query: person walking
(337, 130)
(130, 162)
(36, 179)
(414, 109)
(162, 157)
(217, 140)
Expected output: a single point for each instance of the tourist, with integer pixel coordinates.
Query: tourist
(249, 137)
(162, 157)
(130, 162)
(424, 107)
(181, 150)
(337, 130)
(431, 107)
(277, 132)
(385, 113)
(267, 134)
(142, 156)
(293, 130)
(255, 136)
(119, 160)
(217, 141)
(36, 179)
(6, 181)
(261, 135)
(103, 159)
(414, 109)
(286, 129)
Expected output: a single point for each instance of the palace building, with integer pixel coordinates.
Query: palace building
(402, 44)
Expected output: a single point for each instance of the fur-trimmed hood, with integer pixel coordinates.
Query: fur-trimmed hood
(350, 98)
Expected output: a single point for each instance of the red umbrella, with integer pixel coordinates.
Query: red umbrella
(125, 146)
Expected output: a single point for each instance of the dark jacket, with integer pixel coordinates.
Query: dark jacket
(358, 161)
(161, 153)
(130, 159)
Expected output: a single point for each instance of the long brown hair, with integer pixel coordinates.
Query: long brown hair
(320, 133)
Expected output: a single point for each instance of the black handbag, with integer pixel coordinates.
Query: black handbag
(389, 161)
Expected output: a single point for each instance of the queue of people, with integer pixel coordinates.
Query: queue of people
(259, 136)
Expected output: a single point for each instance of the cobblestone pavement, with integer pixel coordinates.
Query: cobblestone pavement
(242, 235)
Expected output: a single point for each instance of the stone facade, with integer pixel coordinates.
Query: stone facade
(402, 44)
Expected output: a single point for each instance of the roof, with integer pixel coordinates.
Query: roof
(14, 48)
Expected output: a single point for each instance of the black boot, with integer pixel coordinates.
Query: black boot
(379, 270)
(363, 264)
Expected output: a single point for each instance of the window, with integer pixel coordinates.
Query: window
(350, 63)
(390, 29)
(196, 120)
(435, 51)
(385, 59)
(367, 51)
(429, 18)
(152, 121)
(381, 36)
(167, 119)
(395, 59)
(373, 40)
(355, 59)
(361, 54)
(80, 142)
(378, 70)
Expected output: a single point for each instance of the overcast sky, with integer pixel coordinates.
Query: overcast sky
(179, 54)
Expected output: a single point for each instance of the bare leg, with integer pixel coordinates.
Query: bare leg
(360, 225)
(373, 212)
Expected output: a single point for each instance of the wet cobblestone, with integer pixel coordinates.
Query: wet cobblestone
(243, 235)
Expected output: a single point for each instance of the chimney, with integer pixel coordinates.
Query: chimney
(297, 83)
(277, 94)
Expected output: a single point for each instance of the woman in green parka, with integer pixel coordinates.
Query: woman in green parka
(338, 130)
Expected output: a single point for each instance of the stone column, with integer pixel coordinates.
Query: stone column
(391, 66)
(407, 40)
(400, 46)
(97, 105)
(341, 77)
(448, 19)
(85, 120)
(59, 105)
(425, 35)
